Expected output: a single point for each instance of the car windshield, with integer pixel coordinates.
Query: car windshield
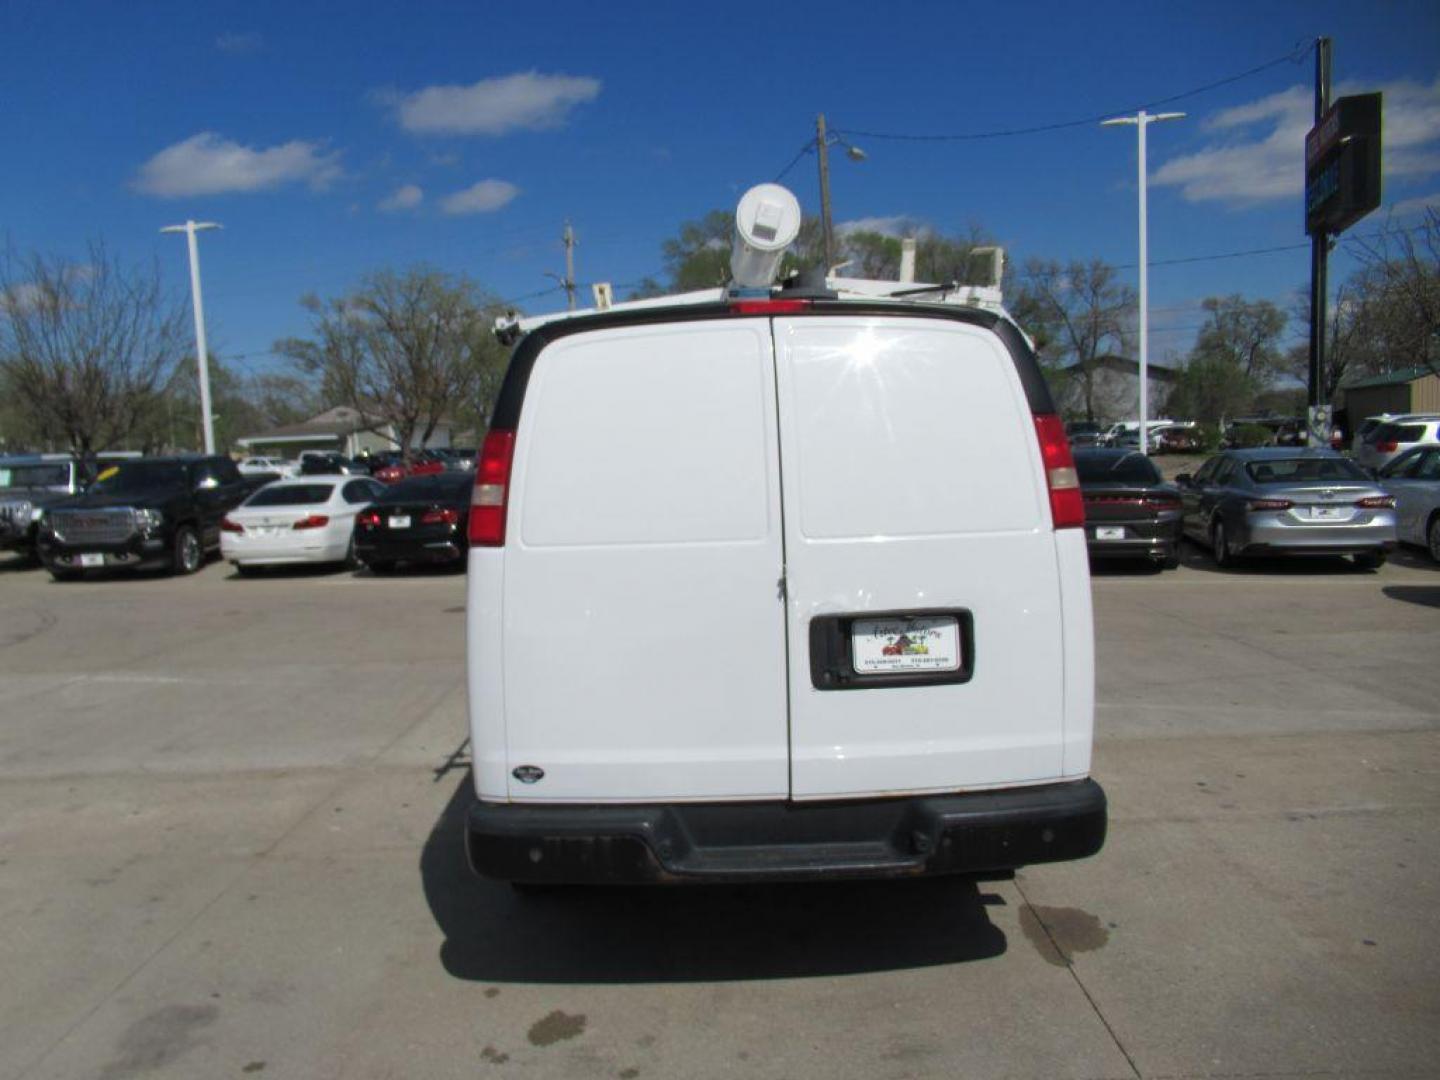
(291, 495)
(135, 476)
(1299, 470)
(446, 487)
(1116, 469)
(41, 475)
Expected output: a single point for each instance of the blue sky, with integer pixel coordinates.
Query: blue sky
(333, 139)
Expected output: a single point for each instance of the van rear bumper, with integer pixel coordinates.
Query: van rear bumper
(978, 832)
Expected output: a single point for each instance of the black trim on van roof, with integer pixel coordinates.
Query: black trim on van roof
(512, 392)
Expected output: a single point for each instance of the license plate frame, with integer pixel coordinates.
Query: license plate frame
(907, 645)
(1109, 532)
(1329, 513)
(398, 521)
(90, 560)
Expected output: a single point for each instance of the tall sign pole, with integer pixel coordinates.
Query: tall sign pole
(1319, 421)
(1342, 185)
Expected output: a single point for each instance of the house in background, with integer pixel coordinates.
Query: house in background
(1107, 389)
(1414, 390)
(342, 429)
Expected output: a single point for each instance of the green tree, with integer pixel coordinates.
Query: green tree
(1245, 333)
(411, 348)
(86, 348)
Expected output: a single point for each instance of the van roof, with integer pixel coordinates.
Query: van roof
(512, 392)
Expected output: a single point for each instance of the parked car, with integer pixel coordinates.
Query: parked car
(462, 457)
(146, 513)
(327, 464)
(268, 466)
(309, 520)
(419, 520)
(688, 665)
(1177, 439)
(423, 463)
(1130, 511)
(30, 484)
(1367, 426)
(1278, 501)
(1392, 438)
(1414, 479)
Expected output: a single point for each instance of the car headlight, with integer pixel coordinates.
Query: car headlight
(149, 519)
(37, 513)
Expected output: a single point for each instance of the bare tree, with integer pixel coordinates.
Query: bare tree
(87, 348)
(405, 348)
(1076, 314)
(1398, 285)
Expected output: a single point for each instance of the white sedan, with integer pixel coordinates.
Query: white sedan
(256, 466)
(310, 520)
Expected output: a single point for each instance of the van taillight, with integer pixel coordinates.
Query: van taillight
(492, 490)
(1067, 506)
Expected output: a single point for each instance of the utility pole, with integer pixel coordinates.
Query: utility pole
(1319, 269)
(190, 228)
(570, 265)
(822, 145)
(1142, 120)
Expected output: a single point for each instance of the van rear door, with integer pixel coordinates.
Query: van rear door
(644, 643)
(924, 621)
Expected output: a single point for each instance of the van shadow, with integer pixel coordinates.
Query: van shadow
(1424, 595)
(692, 933)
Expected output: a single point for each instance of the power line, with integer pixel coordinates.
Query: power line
(1294, 56)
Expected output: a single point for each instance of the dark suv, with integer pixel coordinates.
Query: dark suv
(28, 485)
(149, 513)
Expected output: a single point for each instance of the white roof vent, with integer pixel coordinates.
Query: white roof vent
(767, 221)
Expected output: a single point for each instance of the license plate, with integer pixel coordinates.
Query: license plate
(92, 560)
(400, 521)
(926, 643)
(1109, 532)
(1329, 513)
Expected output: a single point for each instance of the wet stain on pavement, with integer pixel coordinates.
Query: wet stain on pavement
(628, 1074)
(155, 1041)
(495, 1057)
(556, 1027)
(492, 991)
(254, 1067)
(1058, 934)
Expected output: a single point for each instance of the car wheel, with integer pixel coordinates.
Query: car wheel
(1220, 545)
(351, 561)
(1172, 561)
(188, 554)
(1432, 537)
(1369, 560)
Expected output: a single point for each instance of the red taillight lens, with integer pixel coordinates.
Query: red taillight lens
(314, 521)
(1269, 504)
(492, 490)
(439, 517)
(1067, 507)
(1377, 502)
(1387, 447)
(769, 307)
(1163, 502)
(228, 524)
(368, 519)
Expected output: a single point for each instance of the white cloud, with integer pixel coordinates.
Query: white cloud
(238, 44)
(207, 164)
(493, 106)
(405, 197)
(481, 198)
(895, 225)
(1417, 205)
(1258, 149)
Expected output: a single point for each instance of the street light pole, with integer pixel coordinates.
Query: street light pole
(190, 228)
(1142, 120)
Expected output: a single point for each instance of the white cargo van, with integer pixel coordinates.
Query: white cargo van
(778, 587)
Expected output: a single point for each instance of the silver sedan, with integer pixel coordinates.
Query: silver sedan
(1283, 501)
(1414, 480)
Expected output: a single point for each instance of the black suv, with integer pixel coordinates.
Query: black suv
(29, 485)
(149, 513)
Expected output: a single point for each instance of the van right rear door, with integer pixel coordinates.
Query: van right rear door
(924, 604)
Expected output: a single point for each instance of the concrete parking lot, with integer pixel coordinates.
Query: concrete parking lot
(229, 847)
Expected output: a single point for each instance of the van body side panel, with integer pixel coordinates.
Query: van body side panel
(913, 483)
(1079, 630)
(643, 623)
(484, 596)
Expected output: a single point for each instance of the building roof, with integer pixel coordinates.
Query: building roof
(331, 424)
(1392, 378)
(1126, 364)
